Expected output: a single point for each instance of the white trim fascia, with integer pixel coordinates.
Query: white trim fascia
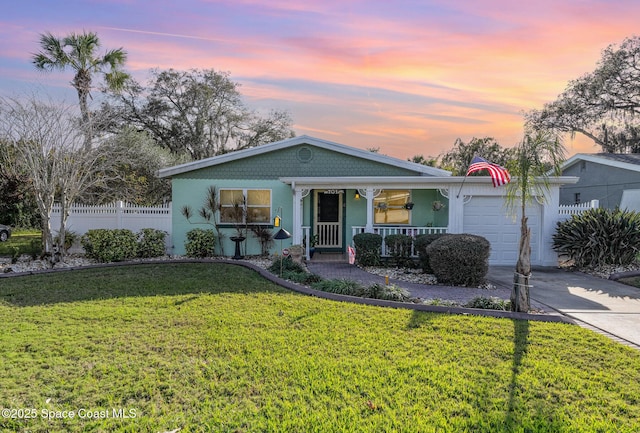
(302, 139)
(408, 182)
(599, 160)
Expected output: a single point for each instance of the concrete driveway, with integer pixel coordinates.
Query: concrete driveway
(606, 305)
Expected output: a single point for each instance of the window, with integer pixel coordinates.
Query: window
(251, 206)
(389, 207)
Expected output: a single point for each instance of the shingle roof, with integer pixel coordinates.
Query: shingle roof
(630, 158)
(627, 161)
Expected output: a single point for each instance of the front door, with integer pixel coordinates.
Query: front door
(328, 218)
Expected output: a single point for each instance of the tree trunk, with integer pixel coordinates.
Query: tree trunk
(520, 294)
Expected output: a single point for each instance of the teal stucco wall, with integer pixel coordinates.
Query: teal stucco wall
(193, 192)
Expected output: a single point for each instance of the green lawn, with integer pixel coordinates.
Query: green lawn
(26, 241)
(216, 348)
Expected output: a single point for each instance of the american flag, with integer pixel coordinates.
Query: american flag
(499, 175)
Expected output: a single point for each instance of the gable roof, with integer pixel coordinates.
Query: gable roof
(626, 161)
(423, 170)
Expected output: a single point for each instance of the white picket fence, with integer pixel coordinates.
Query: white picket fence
(566, 211)
(118, 215)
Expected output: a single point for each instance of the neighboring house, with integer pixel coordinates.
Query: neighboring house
(318, 187)
(603, 177)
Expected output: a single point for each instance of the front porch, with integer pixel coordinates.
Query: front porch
(383, 231)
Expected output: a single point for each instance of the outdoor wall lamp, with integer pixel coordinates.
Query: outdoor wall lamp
(357, 196)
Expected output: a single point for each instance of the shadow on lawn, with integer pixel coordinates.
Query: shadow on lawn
(520, 343)
(157, 279)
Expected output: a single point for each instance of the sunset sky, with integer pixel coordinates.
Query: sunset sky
(405, 76)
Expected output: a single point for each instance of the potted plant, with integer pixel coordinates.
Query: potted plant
(437, 205)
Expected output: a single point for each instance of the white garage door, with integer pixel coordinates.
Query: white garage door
(487, 216)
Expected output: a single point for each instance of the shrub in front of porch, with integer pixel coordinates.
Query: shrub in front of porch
(460, 259)
(420, 244)
(399, 247)
(368, 249)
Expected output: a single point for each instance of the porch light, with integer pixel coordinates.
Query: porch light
(357, 196)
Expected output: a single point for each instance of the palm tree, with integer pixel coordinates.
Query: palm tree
(540, 154)
(78, 52)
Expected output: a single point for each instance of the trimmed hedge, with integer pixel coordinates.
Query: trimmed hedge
(399, 247)
(420, 245)
(106, 245)
(368, 249)
(460, 259)
(200, 243)
(151, 243)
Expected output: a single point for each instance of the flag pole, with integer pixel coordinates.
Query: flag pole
(461, 185)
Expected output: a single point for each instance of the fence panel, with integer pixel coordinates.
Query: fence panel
(566, 211)
(119, 215)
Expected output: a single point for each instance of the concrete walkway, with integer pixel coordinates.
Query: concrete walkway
(602, 305)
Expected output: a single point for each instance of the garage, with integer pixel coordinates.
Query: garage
(488, 217)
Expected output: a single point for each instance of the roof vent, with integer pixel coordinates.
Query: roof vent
(305, 154)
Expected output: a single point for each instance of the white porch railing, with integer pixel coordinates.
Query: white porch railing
(565, 211)
(329, 235)
(385, 231)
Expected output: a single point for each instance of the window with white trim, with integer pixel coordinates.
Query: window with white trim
(240, 206)
(390, 207)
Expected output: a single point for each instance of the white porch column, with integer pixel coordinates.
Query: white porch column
(456, 212)
(369, 193)
(296, 235)
(369, 196)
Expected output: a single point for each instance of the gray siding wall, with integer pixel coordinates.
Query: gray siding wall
(598, 182)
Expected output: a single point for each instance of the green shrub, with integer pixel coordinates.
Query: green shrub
(599, 237)
(388, 293)
(460, 259)
(151, 243)
(368, 248)
(353, 288)
(200, 243)
(420, 245)
(106, 245)
(285, 264)
(491, 303)
(340, 286)
(304, 278)
(399, 247)
(69, 239)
